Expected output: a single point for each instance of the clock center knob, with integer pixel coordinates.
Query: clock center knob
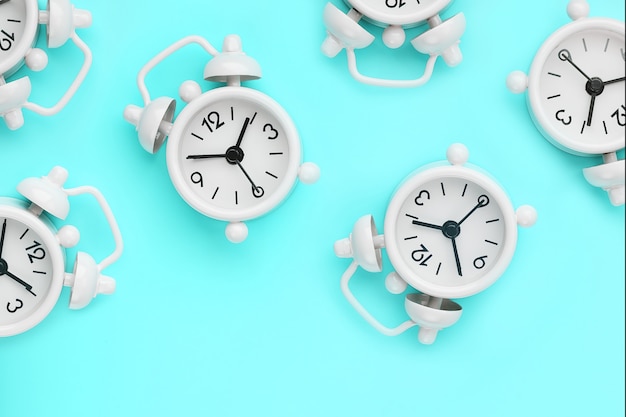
(234, 154)
(451, 229)
(4, 267)
(595, 86)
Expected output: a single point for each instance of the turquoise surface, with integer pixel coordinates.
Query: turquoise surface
(200, 326)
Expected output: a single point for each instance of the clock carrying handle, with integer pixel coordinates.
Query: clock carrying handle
(117, 235)
(80, 77)
(345, 289)
(382, 82)
(141, 76)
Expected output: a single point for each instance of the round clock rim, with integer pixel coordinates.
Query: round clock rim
(43, 227)
(430, 173)
(234, 93)
(381, 18)
(14, 60)
(534, 97)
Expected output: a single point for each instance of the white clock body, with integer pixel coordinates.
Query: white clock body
(236, 181)
(19, 24)
(432, 206)
(31, 254)
(558, 100)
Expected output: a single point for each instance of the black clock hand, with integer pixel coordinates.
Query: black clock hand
(4, 229)
(456, 257)
(243, 131)
(5, 271)
(432, 226)
(4, 1)
(564, 55)
(483, 200)
(256, 191)
(222, 155)
(591, 104)
(613, 81)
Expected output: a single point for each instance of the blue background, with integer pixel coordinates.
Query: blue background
(199, 326)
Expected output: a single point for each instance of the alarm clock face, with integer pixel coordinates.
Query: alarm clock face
(31, 274)
(18, 29)
(233, 153)
(576, 87)
(450, 231)
(398, 12)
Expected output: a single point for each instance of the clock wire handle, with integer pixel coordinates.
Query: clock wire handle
(381, 82)
(141, 76)
(345, 289)
(108, 213)
(80, 77)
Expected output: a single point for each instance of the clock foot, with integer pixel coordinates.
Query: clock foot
(236, 232)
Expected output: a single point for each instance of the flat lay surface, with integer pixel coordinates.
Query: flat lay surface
(202, 326)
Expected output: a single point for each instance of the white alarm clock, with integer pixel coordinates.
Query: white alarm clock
(440, 39)
(19, 27)
(32, 255)
(576, 93)
(450, 231)
(233, 153)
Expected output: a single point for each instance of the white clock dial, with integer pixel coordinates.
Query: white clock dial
(450, 231)
(31, 268)
(18, 27)
(236, 155)
(577, 90)
(398, 12)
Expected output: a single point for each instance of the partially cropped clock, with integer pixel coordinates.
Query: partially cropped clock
(32, 253)
(19, 28)
(450, 231)
(233, 153)
(439, 39)
(576, 93)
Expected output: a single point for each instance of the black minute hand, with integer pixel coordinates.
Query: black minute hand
(564, 55)
(483, 200)
(243, 131)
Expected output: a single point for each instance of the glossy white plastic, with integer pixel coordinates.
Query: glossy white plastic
(433, 310)
(440, 39)
(61, 19)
